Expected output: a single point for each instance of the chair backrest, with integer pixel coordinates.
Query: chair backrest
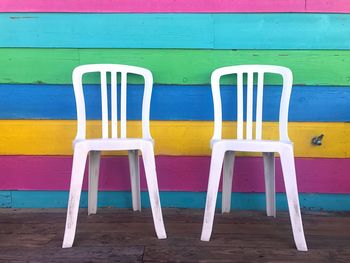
(250, 71)
(114, 70)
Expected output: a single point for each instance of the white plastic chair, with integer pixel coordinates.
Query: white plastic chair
(83, 146)
(223, 150)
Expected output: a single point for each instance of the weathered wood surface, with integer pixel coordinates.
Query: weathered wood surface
(122, 235)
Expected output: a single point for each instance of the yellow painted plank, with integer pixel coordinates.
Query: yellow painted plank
(47, 137)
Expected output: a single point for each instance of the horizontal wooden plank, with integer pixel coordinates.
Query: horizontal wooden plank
(319, 175)
(55, 66)
(242, 201)
(172, 102)
(327, 6)
(31, 137)
(271, 31)
(36, 253)
(198, 31)
(106, 30)
(241, 253)
(5, 198)
(153, 6)
(176, 6)
(241, 236)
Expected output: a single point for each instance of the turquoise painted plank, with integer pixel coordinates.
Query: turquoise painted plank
(5, 199)
(172, 102)
(106, 30)
(199, 31)
(282, 31)
(241, 201)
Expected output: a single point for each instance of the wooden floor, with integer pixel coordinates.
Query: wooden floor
(115, 235)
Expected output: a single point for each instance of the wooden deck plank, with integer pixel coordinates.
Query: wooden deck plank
(82, 254)
(115, 235)
(240, 254)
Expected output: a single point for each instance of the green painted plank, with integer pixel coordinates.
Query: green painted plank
(169, 66)
(122, 199)
(168, 30)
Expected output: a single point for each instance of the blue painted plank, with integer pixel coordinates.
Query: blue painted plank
(200, 31)
(308, 103)
(243, 201)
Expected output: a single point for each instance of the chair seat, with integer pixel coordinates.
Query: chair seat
(251, 145)
(114, 144)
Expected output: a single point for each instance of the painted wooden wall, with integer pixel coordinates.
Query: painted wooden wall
(181, 42)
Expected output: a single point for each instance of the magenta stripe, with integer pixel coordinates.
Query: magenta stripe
(174, 174)
(174, 6)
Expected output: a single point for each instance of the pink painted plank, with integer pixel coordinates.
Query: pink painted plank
(174, 174)
(153, 6)
(175, 6)
(329, 6)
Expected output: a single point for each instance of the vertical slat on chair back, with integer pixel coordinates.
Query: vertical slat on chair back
(259, 106)
(251, 72)
(239, 106)
(114, 108)
(123, 105)
(249, 112)
(104, 103)
(113, 69)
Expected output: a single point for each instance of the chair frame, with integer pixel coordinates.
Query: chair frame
(223, 150)
(93, 147)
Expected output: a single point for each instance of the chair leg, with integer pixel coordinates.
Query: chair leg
(135, 179)
(152, 184)
(217, 158)
(94, 170)
(269, 171)
(290, 182)
(79, 161)
(229, 160)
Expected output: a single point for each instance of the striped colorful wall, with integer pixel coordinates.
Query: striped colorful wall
(181, 42)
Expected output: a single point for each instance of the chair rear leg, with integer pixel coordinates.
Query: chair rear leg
(229, 160)
(290, 182)
(94, 170)
(79, 161)
(269, 172)
(135, 179)
(152, 184)
(217, 158)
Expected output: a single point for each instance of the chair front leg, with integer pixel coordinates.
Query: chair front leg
(290, 182)
(152, 184)
(217, 158)
(94, 170)
(229, 160)
(79, 161)
(135, 179)
(269, 172)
